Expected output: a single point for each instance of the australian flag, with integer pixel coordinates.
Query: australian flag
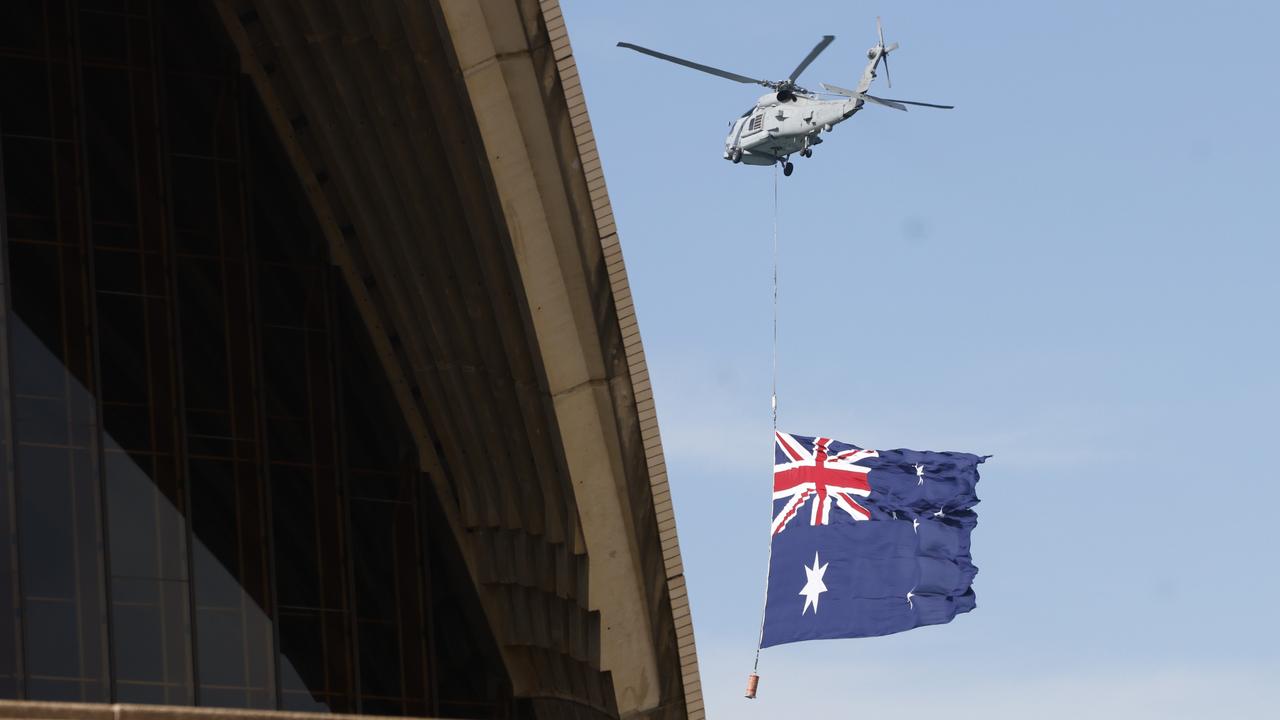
(867, 542)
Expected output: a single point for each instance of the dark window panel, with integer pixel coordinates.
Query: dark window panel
(204, 350)
(104, 36)
(409, 588)
(226, 129)
(231, 222)
(28, 178)
(24, 104)
(304, 701)
(117, 7)
(36, 331)
(376, 484)
(195, 203)
(142, 693)
(215, 523)
(133, 509)
(53, 690)
(47, 502)
(52, 645)
(128, 426)
(22, 25)
(283, 291)
(285, 369)
(380, 665)
(115, 235)
(122, 339)
(372, 535)
(294, 530)
(302, 652)
(337, 659)
(209, 434)
(190, 47)
(139, 642)
(109, 130)
(116, 271)
(32, 228)
(222, 649)
(41, 420)
(193, 108)
(62, 90)
(140, 35)
(77, 353)
(151, 643)
(382, 706)
(289, 440)
(234, 629)
(62, 587)
(227, 697)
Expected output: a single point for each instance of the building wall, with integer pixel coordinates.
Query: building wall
(333, 296)
(209, 495)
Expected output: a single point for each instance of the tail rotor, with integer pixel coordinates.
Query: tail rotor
(881, 52)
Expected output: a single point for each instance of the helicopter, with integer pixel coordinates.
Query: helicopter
(791, 119)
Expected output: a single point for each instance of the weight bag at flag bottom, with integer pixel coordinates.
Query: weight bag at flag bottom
(867, 542)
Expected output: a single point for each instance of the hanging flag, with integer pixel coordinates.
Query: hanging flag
(867, 542)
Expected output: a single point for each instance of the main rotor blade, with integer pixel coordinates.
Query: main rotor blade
(907, 102)
(813, 54)
(696, 66)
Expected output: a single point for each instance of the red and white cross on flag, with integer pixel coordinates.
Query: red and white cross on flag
(805, 471)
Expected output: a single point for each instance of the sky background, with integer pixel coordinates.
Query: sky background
(1074, 271)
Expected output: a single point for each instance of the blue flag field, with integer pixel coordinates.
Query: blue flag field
(867, 542)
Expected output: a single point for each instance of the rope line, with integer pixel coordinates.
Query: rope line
(773, 402)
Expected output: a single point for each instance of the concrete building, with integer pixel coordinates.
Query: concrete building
(322, 390)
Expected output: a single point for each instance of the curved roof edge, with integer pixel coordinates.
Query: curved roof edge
(517, 64)
(650, 433)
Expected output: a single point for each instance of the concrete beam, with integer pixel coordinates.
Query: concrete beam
(489, 40)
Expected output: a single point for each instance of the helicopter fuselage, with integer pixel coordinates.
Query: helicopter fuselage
(775, 128)
(790, 119)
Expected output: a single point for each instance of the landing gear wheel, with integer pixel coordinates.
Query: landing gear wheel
(736, 155)
(806, 153)
(787, 168)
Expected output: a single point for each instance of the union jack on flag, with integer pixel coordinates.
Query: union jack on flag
(807, 472)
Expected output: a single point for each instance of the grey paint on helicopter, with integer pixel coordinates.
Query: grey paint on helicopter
(791, 119)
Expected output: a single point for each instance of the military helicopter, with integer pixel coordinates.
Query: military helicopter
(791, 119)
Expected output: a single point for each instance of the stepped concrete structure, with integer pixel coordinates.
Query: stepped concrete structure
(322, 386)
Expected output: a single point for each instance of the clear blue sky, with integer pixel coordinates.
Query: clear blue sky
(1074, 271)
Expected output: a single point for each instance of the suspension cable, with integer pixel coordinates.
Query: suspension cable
(773, 403)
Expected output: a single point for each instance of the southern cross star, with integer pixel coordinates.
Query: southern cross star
(814, 587)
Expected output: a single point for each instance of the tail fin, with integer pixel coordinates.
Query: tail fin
(875, 56)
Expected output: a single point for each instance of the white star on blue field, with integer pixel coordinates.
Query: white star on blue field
(1074, 271)
(814, 587)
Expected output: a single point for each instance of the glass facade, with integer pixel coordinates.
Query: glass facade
(207, 492)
